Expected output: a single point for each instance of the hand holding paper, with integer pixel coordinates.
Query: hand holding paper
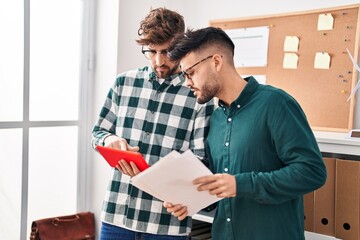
(177, 210)
(171, 180)
(221, 185)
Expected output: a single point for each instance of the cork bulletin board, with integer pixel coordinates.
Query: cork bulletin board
(322, 93)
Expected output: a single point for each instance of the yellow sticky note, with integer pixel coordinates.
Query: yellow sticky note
(291, 44)
(290, 61)
(322, 60)
(325, 22)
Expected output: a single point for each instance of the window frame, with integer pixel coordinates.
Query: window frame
(83, 123)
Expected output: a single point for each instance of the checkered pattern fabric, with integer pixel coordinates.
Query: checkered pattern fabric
(158, 118)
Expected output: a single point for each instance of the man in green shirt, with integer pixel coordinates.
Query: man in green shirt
(261, 147)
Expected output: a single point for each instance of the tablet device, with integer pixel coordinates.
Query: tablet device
(113, 156)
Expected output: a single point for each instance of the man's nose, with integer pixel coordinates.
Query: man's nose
(160, 59)
(188, 82)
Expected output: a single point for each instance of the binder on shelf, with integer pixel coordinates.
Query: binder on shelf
(324, 210)
(347, 197)
(309, 212)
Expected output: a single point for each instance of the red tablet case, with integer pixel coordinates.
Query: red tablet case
(113, 156)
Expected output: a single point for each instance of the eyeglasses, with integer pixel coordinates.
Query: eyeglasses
(150, 53)
(186, 72)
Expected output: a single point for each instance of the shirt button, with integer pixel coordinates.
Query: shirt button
(228, 219)
(147, 133)
(238, 106)
(229, 119)
(226, 144)
(226, 169)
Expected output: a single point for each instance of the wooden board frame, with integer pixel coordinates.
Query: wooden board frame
(322, 93)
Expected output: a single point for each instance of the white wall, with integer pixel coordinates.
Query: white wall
(197, 14)
(117, 51)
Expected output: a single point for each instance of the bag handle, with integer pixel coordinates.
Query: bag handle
(72, 218)
(34, 233)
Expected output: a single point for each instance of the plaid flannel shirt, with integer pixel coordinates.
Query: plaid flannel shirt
(158, 118)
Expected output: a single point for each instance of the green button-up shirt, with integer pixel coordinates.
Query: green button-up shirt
(264, 139)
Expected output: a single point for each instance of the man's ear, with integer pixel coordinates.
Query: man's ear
(219, 61)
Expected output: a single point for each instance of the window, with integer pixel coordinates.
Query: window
(11, 60)
(45, 83)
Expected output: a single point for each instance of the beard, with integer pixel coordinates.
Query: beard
(207, 92)
(165, 71)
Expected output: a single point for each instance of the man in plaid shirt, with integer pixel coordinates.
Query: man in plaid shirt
(149, 110)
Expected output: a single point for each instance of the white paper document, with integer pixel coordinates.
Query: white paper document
(251, 46)
(291, 44)
(325, 22)
(170, 180)
(290, 61)
(322, 60)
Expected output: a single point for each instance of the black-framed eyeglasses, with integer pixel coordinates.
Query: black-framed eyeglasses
(150, 53)
(186, 72)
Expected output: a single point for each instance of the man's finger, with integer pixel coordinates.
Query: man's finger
(204, 179)
(123, 145)
(135, 169)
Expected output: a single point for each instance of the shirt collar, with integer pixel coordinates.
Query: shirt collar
(245, 94)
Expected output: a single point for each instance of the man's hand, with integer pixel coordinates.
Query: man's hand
(221, 185)
(176, 210)
(114, 141)
(128, 169)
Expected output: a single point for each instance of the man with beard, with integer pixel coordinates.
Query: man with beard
(149, 110)
(260, 145)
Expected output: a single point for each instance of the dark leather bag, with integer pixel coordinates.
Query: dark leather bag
(71, 227)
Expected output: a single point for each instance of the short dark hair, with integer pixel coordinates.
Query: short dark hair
(160, 26)
(194, 40)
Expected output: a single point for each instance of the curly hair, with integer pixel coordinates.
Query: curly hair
(160, 26)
